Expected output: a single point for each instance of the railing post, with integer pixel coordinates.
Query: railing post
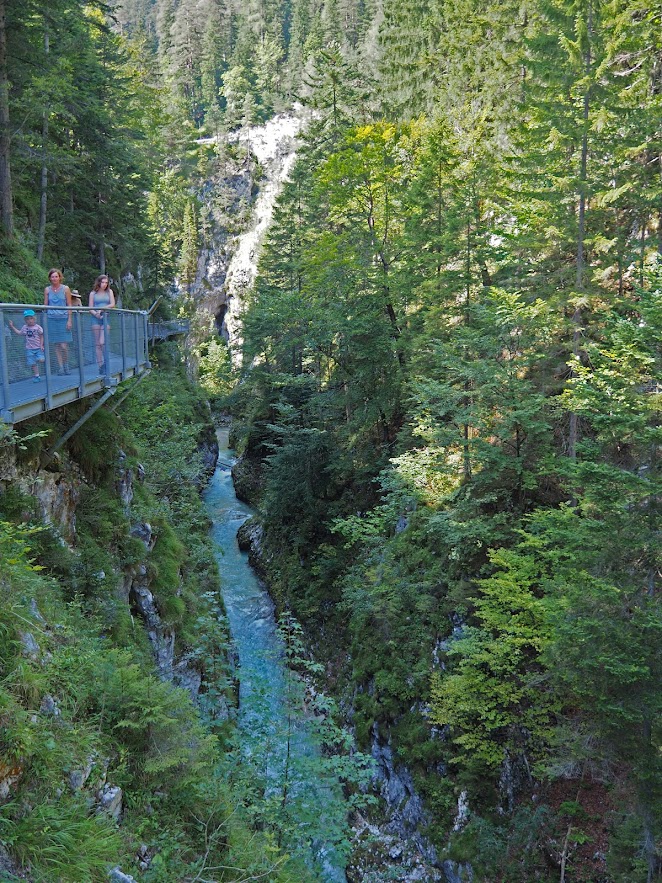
(146, 345)
(123, 342)
(136, 332)
(106, 348)
(81, 354)
(6, 404)
(47, 362)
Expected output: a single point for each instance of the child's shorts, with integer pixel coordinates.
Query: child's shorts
(34, 357)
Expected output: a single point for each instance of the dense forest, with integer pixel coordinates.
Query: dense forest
(450, 385)
(454, 350)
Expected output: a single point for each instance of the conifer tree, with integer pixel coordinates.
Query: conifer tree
(6, 195)
(188, 258)
(216, 48)
(407, 41)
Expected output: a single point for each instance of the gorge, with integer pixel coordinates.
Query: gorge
(417, 245)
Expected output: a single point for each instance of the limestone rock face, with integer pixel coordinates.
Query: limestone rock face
(237, 209)
(49, 706)
(208, 450)
(187, 676)
(57, 497)
(29, 646)
(118, 876)
(137, 592)
(463, 813)
(161, 636)
(36, 613)
(124, 482)
(143, 531)
(56, 492)
(396, 786)
(9, 868)
(378, 854)
(457, 873)
(109, 800)
(250, 537)
(78, 777)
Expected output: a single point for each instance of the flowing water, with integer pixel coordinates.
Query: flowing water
(277, 739)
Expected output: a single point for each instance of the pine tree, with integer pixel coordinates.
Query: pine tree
(491, 697)
(6, 195)
(269, 57)
(630, 201)
(407, 40)
(186, 34)
(188, 257)
(213, 62)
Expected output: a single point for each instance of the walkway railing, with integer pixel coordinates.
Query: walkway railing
(95, 354)
(161, 330)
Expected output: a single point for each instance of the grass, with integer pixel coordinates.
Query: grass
(22, 276)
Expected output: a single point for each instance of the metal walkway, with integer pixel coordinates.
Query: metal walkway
(99, 355)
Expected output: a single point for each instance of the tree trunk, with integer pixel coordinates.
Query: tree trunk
(581, 219)
(43, 201)
(573, 435)
(642, 253)
(6, 210)
(466, 452)
(468, 261)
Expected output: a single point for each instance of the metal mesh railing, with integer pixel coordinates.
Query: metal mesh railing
(167, 328)
(63, 353)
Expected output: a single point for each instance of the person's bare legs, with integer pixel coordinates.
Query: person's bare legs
(62, 356)
(97, 330)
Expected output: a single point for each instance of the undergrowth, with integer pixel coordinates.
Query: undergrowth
(81, 706)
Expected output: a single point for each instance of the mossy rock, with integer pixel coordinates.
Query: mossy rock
(248, 480)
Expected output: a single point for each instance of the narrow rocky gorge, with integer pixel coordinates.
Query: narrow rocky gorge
(250, 181)
(396, 844)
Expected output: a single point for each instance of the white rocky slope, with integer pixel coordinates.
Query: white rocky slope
(228, 262)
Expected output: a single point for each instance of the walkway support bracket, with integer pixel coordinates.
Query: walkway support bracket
(127, 392)
(48, 455)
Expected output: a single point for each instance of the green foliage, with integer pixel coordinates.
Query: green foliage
(63, 841)
(106, 711)
(188, 259)
(452, 380)
(492, 698)
(83, 148)
(453, 343)
(181, 563)
(21, 275)
(516, 851)
(215, 369)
